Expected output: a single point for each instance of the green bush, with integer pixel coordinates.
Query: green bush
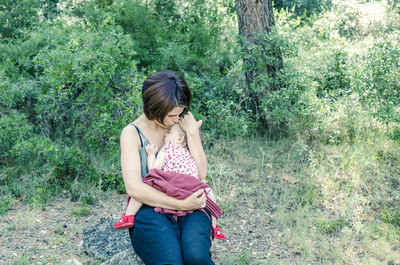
(89, 87)
(16, 58)
(223, 105)
(395, 134)
(334, 79)
(377, 80)
(303, 7)
(14, 129)
(6, 203)
(348, 21)
(16, 16)
(165, 34)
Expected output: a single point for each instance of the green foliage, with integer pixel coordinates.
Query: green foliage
(391, 216)
(14, 129)
(168, 34)
(16, 57)
(348, 21)
(6, 203)
(81, 211)
(329, 227)
(80, 89)
(342, 21)
(378, 81)
(303, 7)
(242, 259)
(16, 16)
(334, 79)
(306, 194)
(395, 134)
(223, 105)
(85, 83)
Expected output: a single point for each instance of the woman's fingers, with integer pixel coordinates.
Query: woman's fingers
(189, 124)
(197, 200)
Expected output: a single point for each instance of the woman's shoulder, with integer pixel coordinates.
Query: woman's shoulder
(131, 126)
(129, 135)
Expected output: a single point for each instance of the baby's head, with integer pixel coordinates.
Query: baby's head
(176, 135)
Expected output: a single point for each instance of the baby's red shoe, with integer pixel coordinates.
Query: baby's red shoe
(218, 234)
(125, 222)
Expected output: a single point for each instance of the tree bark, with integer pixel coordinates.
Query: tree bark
(255, 17)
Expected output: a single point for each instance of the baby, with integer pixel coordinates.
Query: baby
(174, 156)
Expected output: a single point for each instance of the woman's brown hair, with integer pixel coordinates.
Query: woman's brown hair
(163, 91)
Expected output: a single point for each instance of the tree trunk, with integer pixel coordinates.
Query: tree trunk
(255, 17)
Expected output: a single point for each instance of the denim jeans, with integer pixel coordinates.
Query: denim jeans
(159, 239)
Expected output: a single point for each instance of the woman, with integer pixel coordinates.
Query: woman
(159, 238)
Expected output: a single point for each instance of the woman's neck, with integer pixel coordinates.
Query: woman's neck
(153, 124)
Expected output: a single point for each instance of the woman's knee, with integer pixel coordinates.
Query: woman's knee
(197, 258)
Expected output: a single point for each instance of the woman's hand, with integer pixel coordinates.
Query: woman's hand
(195, 201)
(189, 124)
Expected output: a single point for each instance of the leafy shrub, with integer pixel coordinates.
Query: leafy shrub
(334, 80)
(377, 80)
(88, 87)
(16, 58)
(6, 203)
(16, 16)
(20, 96)
(348, 21)
(342, 21)
(165, 34)
(14, 128)
(395, 134)
(223, 105)
(303, 7)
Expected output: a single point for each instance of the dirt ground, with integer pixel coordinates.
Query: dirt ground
(53, 234)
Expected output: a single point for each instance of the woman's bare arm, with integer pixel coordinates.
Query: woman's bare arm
(130, 164)
(191, 127)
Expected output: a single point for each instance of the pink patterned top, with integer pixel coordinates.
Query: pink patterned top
(178, 159)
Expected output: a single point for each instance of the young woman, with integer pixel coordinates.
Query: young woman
(160, 238)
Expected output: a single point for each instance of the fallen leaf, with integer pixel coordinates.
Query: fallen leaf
(290, 179)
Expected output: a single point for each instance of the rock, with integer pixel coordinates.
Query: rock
(101, 241)
(72, 262)
(126, 257)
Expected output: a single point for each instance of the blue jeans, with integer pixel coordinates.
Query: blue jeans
(159, 239)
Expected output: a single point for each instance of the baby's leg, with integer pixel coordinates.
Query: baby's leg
(133, 207)
(212, 197)
(128, 218)
(217, 232)
(213, 221)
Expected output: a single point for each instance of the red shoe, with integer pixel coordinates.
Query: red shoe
(125, 222)
(218, 234)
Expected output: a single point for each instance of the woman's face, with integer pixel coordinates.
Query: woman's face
(173, 116)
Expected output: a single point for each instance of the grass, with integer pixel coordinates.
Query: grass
(6, 203)
(344, 210)
(83, 210)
